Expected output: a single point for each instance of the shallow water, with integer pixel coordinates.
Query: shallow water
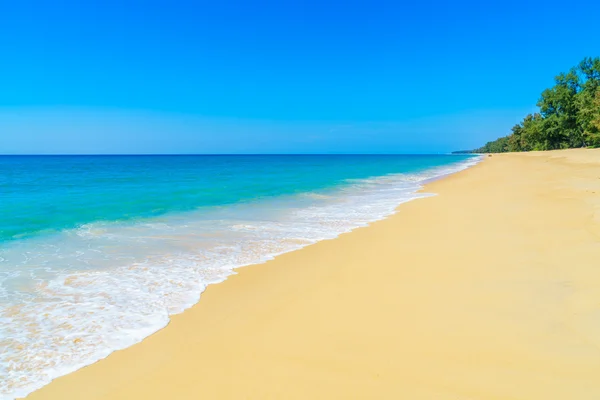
(96, 252)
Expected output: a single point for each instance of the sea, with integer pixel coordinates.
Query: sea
(97, 252)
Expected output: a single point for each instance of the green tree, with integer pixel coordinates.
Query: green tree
(497, 146)
(531, 137)
(569, 114)
(558, 107)
(588, 100)
(514, 140)
(592, 129)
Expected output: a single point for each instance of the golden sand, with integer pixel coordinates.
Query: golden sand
(490, 290)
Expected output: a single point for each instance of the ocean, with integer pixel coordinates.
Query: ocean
(96, 252)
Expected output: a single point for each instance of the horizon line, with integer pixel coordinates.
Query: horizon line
(220, 154)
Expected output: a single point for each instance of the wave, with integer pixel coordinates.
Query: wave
(75, 297)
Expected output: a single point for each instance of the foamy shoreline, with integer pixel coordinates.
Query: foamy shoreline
(147, 317)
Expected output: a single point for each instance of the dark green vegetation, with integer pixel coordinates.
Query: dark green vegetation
(569, 115)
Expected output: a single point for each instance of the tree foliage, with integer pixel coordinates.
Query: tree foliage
(569, 115)
(497, 146)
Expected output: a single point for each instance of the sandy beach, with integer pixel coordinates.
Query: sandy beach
(489, 290)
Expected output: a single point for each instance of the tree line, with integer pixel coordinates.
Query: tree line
(568, 116)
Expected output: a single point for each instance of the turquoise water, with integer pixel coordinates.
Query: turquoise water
(96, 252)
(48, 194)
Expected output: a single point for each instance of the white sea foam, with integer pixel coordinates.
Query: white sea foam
(71, 299)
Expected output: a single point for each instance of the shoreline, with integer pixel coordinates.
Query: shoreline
(244, 339)
(350, 205)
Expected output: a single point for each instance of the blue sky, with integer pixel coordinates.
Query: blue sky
(278, 76)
